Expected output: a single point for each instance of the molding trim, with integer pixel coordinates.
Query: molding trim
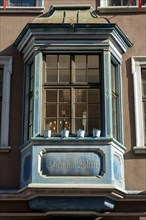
(72, 213)
(140, 150)
(137, 63)
(120, 9)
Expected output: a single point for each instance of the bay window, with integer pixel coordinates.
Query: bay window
(71, 93)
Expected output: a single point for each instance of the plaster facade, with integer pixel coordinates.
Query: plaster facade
(131, 199)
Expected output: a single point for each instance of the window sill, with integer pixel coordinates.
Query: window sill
(74, 141)
(5, 149)
(121, 9)
(140, 150)
(27, 10)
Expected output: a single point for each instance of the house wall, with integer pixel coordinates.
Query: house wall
(134, 25)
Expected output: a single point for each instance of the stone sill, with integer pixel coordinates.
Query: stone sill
(73, 141)
(121, 9)
(5, 149)
(140, 150)
(22, 10)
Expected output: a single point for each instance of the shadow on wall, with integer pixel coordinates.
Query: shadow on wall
(16, 96)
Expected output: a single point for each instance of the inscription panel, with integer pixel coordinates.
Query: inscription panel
(71, 164)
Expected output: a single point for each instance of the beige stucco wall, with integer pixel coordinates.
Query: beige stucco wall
(134, 26)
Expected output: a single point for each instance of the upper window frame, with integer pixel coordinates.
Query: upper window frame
(137, 64)
(39, 8)
(104, 8)
(6, 63)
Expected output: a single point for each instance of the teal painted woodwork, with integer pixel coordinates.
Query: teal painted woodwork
(71, 204)
(105, 155)
(37, 95)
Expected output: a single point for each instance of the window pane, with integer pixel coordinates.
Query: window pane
(80, 110)
(1, 83)
(64, 95)
(22, 2)
(113, 72)
(93, 75)
(80, 75)
(64, 75)
(144, 105)
(64, 124)
(144, 81)
(64, 110)
(93, 111)
(94, 96)
(80, 62)
(51, 61)
(123, 2)
(51, 75)
(80, 95)
(51, 110)
(93, 124)
(31, 76)
(93, 61)
(79, 124)
(51, 124)
(114, 116)
(51, 95)
(64, 61)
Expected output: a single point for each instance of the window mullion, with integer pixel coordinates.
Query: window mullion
(72, 106)
(57, 116)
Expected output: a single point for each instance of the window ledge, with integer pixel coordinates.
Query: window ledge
(73, 141)
(5, 149)
(26, 10)
(121, 9)
(139, 150)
